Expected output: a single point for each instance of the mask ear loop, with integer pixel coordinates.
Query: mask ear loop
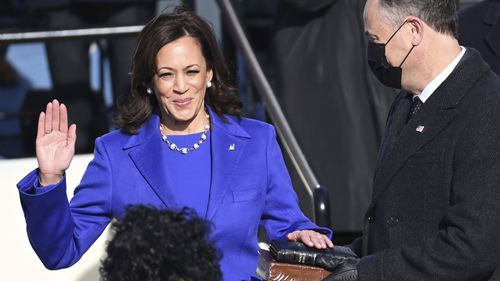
(392, 36)
(395, 32)
(406, 56)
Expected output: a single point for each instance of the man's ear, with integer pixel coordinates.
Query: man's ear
(417, 29)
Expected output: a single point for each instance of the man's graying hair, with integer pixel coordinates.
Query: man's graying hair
(438, 14)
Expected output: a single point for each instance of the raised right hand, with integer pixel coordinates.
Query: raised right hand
(55, 143)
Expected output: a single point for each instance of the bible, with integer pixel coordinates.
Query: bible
(271, 270)
(298, 253)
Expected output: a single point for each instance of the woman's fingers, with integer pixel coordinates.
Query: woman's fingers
(72, 135)
(48, 118)
(41, 125)
(55, 118)
(55, 115)
(293, 236)
(318, 240)
(311, 238)
(63, 117)
(329, 242)
(302, 236)
(307, 239)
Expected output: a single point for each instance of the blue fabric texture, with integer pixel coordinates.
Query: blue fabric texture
(191, 173)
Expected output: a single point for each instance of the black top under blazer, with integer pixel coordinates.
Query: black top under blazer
(435, 209)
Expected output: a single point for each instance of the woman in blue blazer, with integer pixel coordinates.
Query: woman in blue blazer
(181, 143)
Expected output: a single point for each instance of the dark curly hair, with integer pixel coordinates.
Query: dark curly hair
(160, 31)
(160, 245)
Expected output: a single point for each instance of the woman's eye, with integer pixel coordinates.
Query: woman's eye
(165, 75)
(193, 72)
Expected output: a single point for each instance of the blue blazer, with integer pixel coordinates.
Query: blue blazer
(250, 186)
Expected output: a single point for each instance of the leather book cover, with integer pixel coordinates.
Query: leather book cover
(271, 270)
(297, 252)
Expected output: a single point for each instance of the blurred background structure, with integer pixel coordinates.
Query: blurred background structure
(312, 53)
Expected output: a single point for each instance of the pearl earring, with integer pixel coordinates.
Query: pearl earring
(209, 84)
(149, 91)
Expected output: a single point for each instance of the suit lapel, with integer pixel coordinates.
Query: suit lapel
(147, 151)
(394, 125)
(410, 141)
(436, 114)
(228, 144)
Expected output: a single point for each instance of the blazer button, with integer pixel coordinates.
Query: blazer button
(371, 219)
(393, 221)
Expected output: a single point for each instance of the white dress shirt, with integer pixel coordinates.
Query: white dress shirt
(434, 84)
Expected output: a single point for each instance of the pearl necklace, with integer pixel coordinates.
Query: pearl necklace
(185, 150)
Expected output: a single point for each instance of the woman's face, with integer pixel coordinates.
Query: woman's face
(181, 80)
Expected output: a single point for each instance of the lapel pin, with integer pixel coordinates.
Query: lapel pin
(420, 129)
(232, 147)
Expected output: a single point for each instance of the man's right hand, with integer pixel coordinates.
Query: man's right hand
(55, 143)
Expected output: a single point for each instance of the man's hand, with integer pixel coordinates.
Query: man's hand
(342, 269)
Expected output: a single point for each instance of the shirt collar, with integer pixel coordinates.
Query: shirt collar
(438, 80)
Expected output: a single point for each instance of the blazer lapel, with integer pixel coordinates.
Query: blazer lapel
(146, 151)
(228, 144)
(438, 111)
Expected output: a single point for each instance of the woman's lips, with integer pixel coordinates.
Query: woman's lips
(183, 102)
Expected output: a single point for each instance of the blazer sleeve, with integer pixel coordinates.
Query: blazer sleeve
(61, 232)
(282, 214)
(466, 245)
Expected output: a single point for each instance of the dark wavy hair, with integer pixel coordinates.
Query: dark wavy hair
(162, 30)
(160, 245)
(439, 14)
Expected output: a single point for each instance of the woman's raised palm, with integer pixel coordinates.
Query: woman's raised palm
(55, 142)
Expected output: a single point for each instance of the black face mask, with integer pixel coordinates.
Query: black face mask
(387, 74)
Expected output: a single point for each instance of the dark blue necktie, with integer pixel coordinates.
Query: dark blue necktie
(416, 106)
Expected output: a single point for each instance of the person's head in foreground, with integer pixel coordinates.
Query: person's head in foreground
(160, 245)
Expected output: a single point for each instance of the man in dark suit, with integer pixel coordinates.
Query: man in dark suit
(435, 211)
(479, 27)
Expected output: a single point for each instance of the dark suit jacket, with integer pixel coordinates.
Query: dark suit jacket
(479, 28)
(435, 212)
